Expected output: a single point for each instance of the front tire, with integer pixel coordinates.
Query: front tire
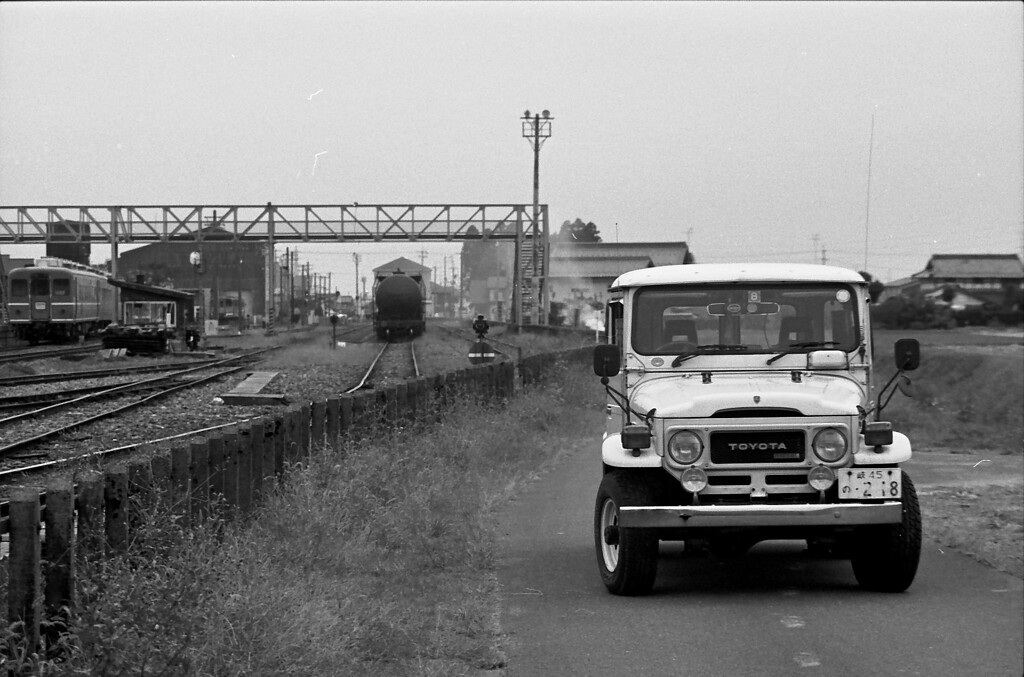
(885, 556)
(627, 558)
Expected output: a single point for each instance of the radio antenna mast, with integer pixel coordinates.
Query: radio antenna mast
(867, 208)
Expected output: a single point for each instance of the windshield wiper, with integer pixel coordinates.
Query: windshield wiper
(709, 349)
(797, 347)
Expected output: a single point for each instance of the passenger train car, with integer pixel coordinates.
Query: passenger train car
(58, 300)
(398, 308)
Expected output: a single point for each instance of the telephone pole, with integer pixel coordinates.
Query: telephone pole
(536, 129)
(355, 257)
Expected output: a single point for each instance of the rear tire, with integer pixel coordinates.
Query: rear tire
(629, 564)
(885, 556)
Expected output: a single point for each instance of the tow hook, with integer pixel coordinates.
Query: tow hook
(611, 535)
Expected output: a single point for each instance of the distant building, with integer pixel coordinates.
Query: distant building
(581, 273)
(968, 280)
(226, 277)
(69, 240)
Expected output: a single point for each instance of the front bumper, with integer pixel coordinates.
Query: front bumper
(816, 515)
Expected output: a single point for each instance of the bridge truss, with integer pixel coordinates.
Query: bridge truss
(301, 223)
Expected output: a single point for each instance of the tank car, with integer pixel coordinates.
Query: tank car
(398, 306)
(58, 301)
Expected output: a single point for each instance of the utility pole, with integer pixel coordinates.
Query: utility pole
(293, 258)
(537, 129)
(355, 257)
(270, 309)
(814, 239)
(238, 312)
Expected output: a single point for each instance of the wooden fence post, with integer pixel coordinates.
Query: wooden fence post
(90, 542)
(387, 411)
(258, 443)
(318, 416)
(401, 407)
(305, 411)
(178, 491)
(333, 423)
(231, 467)
(244, 455)
(115, 505)
(140, 491)
(361, 406)
(271, 444)
(347, 415)
(160, 466)
(59, 547)
(215, 458)
(280, 443)
(199, 480)
(24, 568)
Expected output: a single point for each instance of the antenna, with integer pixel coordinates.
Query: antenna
(867, 208)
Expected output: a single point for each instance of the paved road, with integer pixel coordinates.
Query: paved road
(774, 612)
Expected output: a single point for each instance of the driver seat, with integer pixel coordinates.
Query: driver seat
(680, 330)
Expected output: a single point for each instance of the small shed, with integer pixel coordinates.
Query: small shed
(147, 305)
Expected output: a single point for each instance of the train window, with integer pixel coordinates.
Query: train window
(40, 285)
(61, 287)
(19, 288)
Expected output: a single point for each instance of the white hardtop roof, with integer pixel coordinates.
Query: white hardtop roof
(701, 273)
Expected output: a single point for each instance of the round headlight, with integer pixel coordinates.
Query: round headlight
(829, 445)
(694, 480)
(685, 447)
(821, 477)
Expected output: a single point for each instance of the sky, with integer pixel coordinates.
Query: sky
(865, 135)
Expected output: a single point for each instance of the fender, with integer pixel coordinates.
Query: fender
(614, 455)
(897, 452)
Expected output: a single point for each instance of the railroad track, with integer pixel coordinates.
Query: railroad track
(21, 354)
(393, 363)
(28, 440)
(34, 379)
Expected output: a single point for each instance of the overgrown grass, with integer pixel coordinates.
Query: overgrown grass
(377, 561)
(965, 400)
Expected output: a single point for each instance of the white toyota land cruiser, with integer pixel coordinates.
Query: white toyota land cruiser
(742, 408)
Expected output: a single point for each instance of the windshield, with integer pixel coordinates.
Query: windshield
(754, 318)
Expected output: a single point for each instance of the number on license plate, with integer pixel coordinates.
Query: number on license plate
(858, 483)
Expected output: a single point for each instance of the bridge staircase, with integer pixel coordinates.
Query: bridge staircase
(532, 296)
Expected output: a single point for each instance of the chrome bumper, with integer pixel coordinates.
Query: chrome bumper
(827, 515)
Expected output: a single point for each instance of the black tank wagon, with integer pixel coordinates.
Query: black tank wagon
(398, 308)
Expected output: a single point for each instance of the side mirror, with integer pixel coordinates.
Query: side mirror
(908, 354)
(606, 360)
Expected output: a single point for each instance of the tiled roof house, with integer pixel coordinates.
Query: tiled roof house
(977, 279)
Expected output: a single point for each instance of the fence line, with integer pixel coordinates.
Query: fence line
(217, 475)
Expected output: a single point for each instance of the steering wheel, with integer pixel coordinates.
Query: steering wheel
(676, 347)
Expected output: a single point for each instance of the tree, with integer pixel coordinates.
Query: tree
(577, 231)
(875, 287)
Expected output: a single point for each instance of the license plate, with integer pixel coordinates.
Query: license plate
(859, 483)
(40, 305)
